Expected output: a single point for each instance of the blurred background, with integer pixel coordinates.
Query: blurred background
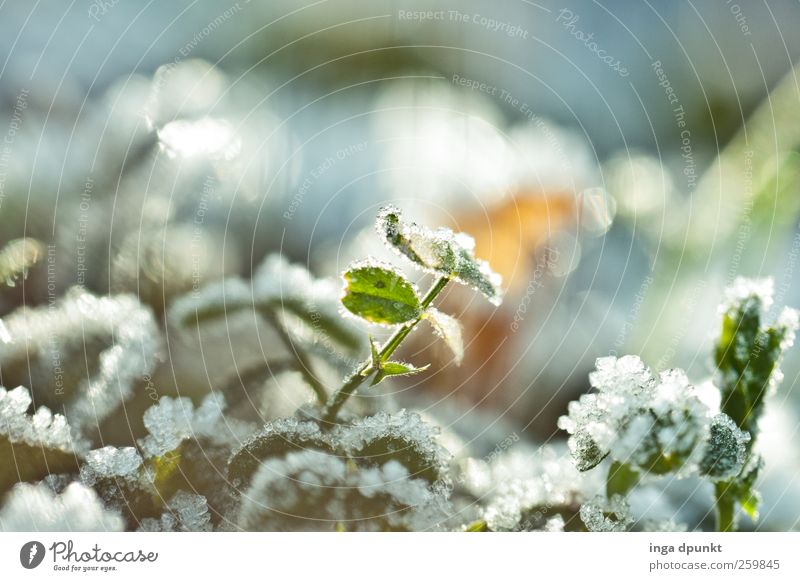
(618, 163)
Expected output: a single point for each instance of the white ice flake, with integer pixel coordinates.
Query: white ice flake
(110, 462)
(748, 294)
(190, 512)
(173, 420)
(604, 515)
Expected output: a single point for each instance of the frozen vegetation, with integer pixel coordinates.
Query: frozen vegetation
(338, 461)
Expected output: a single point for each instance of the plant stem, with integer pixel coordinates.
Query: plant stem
(725, 507)
(338, 399)
(303, 363)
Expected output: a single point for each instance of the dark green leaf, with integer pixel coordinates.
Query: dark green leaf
(380, 294)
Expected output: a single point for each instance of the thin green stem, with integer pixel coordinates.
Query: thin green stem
(725, 507)
(303, 363)
(338, 399)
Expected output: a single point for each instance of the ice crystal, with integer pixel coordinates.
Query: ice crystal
(748, 294)
(312, 490)
(402, 436)
(185, 512)
(43, 429)
(726, 450)
(606, 515)
(656, 425)
(34, 507)
(275, 439)
(523, 488)
(110, 462)
(51, 336)
(173, 420)
(440, 251)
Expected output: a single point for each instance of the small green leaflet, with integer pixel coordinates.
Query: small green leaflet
(380, 294)
(389, 368)
(394, 368)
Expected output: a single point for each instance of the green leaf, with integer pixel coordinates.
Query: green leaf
(379, 294)
(449, 329)
(621, 479)
(748, 353)
(441, 251)
(395, 368)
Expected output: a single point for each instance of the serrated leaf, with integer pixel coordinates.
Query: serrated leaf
(394, 369)
(449, 329)
(441, 251)
(379, 294)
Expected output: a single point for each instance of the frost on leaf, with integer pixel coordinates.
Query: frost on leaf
(187, 448)
(440, 251)
(403, 437)
(276, 286)
(185, 512)
(118, 476)
(114, 336)
(743, 488)
(379, 293)
(33, 446)
(748, 352)
(449, 329)
(653, 425)
(275, 439)
(726, 449)
(526, 490)
(34, 507)
(173, 420)
(312, 490)
(110, 463)
(604, 515)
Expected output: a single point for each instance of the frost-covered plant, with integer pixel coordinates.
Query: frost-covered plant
(328, 467)
(656, 425)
